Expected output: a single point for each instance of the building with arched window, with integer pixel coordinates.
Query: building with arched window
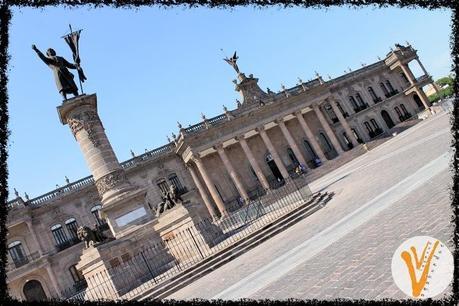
(218, 160)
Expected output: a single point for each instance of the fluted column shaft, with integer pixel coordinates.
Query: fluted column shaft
(253, 162)
(210, 186)
(202, 192)
(343, 122)
(310, 136)
(291, 142)
(328, 130)
(273, 152)
(230, 169)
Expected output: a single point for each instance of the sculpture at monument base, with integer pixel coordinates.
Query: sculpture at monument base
(170, 199)
(91, 237)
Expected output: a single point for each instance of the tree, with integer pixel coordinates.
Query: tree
(446, 89)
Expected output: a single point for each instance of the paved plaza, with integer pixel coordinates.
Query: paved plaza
(397, 190)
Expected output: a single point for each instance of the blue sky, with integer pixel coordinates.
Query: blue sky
(152, 66)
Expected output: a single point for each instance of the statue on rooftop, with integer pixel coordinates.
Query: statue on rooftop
(233, 62)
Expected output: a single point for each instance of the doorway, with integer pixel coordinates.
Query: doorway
(33, 291)
(385, 115)
(274, 169)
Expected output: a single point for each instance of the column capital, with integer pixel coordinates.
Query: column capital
(297, 113)
(240, 137)
(279, 120)
(218, 147)
(260, 128)
(195, 157)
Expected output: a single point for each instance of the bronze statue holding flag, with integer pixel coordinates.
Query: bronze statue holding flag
(64, 78)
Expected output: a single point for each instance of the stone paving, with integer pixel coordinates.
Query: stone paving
(354, 263)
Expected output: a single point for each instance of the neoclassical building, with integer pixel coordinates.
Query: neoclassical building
(222, 162)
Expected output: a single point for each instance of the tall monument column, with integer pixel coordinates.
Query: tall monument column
(123, 204)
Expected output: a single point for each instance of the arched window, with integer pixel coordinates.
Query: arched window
(292, 156)
(59, 235)
(310, 151)
(405, 112)
(397, 110)
(341, 110)
(389, 86)
(359, 99)
(326, 144)
(72, 228)
(372, 93)
(356, 135)
(353, 102)
(346, 139)
(331, 113)
(384, 89)
(368, 127)
(95, 213)
(162, 185)
(17, 253)
(173, 178)
(374, 123)
(253, 172)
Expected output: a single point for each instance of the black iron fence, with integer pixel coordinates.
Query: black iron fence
(190, 245)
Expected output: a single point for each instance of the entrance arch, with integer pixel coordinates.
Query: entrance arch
(418, 101)
(274, 169)
(389, 123)
(327, 148)
(33, 291)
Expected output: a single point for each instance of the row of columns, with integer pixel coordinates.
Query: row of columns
(210, 186)
(412, 81)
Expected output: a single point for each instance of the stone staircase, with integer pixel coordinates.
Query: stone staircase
(211, 263)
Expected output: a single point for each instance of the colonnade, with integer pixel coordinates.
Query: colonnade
(198, 169)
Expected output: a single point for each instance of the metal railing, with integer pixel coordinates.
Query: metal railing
(157, 263)
(89, 180)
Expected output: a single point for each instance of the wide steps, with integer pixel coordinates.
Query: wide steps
(235, 250)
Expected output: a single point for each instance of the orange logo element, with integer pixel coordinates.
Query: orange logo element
(422, 262)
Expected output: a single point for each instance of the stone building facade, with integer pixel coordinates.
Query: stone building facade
(221, 161)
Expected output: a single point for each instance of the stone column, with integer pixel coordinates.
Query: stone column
(422, 66)
(315, 145)
(408, 74)
(230, 169)
(253, 162)
(343, 122)
(291, 142)
(202, 192)
(210, 186)
(34, 236)
(328, 130)
(273, 152)
(53, 280)
(423, 97)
